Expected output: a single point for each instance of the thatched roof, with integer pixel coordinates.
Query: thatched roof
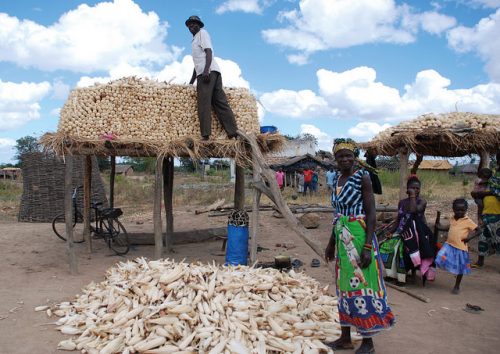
(296, 162)
(452, 134)
(194, 148)
(443, 165)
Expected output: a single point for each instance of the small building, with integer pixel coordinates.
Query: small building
(297, 147)
(12, 173)
(435, 165)
(291, 166)
(468, 169)
(124, 170)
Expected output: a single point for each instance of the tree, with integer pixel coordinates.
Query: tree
(187, 164)
(26, 144)
(303, 137)
(141, 164)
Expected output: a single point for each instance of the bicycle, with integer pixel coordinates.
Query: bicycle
(107, 226)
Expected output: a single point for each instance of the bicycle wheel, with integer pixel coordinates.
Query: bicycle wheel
(116, 235)
(59, 227)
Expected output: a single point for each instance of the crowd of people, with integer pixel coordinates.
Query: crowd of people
(307, 180)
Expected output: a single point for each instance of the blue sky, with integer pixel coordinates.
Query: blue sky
(326, 67)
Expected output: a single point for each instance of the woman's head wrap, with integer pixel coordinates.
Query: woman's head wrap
(345, 144)
(349, 144)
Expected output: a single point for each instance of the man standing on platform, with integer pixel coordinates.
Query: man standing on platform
(209, 82)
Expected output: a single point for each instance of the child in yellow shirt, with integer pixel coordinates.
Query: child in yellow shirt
(454, 255)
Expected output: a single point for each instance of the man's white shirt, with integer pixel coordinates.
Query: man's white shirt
(201, 41)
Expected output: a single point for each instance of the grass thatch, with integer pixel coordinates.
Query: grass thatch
(454, 134)
(195, 148)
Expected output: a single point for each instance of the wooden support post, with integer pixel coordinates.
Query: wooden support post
(403, 172)
(484, 160)
(87, 193)
(168, 195)
(239, 188)
(254, 223)
(157, 209)
(112, 182)
(68, 214)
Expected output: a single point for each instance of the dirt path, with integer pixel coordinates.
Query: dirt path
(34, 271)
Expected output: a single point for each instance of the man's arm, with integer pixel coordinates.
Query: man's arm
(208, 63)
(193, 77)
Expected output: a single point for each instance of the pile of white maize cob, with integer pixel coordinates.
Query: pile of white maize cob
(140, 110)
(167, 307)
(454, 120)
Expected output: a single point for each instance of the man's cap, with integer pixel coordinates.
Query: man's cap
(194, 19)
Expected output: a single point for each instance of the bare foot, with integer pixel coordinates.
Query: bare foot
(455, 291)
(340, 344)
(366, 347)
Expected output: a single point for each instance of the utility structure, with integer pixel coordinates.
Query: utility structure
(142, 118)
(447, 135)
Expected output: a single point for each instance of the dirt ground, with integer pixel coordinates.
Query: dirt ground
(34, 271)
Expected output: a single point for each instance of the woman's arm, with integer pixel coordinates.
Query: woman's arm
(416, 207)
(370, 218)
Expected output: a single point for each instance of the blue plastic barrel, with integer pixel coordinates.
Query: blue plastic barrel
(237, 245)
(268, 129)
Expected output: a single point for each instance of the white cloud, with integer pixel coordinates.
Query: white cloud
(326, 24)
(19, 102)
(248, 6)
(87, 39)
(302, 104)
(178, 72)
(325, 141)
(6, 150)
(484, 3)
(483, 39)
(366, 130)
(357, 94)
(436, 23)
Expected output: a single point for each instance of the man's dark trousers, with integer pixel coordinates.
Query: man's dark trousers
(211, 94)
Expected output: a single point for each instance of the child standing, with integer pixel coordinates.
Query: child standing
(454, 255)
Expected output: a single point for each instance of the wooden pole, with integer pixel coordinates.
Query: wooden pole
(484, 160)
(254, 223)
(157, 209)
(168, 195)
(68, 214)
(403, 172)
(272, 191)
(112, 182)
(87, 188)
(239, 188)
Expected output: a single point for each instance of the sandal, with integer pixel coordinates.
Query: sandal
(315, 263)
(297, 263)
(473, 309)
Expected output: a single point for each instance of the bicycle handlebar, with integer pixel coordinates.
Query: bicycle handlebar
(75, 190)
